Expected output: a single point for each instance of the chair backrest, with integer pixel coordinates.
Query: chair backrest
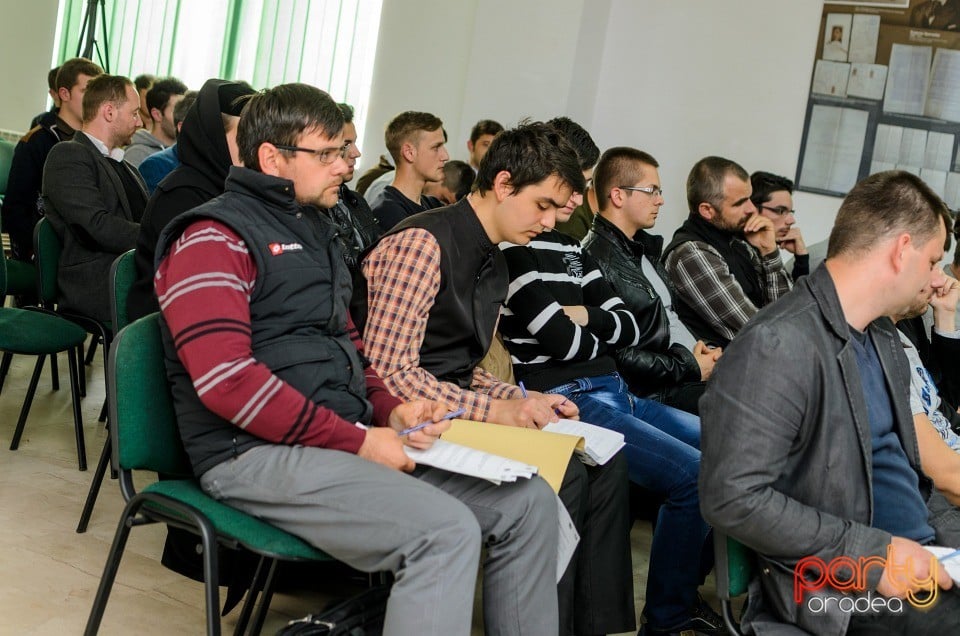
(47, 247)
(143, 424)
(123, 273)
(735, 566)
(6, 158)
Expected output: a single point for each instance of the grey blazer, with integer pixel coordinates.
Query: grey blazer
(88, 208)
(787, 459)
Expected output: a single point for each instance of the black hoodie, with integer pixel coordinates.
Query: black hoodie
(204, 163)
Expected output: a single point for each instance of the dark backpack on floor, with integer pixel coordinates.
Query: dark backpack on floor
(361, 615)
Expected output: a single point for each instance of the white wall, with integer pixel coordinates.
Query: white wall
(26, 42)
(681, 79)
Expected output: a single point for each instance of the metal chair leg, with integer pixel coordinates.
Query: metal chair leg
(5, 367)
(94, 487)
(82, 371)
(77, 416)
(94, 341)
(256, 584)
(27, 401)
(265, 599)
(54, 374)
(110, 569)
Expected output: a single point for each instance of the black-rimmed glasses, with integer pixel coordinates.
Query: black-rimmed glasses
(780, 210)
(326, 156)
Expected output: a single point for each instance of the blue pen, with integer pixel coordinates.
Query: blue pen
(948, 556)
(448, 416)
(523, 390)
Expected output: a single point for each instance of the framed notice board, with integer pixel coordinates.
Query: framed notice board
(885, 94)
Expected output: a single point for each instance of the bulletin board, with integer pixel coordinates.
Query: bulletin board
(885, 94)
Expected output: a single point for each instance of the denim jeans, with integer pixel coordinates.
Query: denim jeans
(662, 451)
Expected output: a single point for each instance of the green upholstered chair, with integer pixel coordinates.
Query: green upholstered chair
(145, 437)
(123, 273)
(41, 333)
(735, 565)
(6, 158)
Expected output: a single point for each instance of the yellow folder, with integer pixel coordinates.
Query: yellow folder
(550, 452)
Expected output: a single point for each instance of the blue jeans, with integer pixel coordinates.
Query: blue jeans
(663, 455)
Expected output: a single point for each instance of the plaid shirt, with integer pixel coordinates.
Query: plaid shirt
(403, 278)
(703, 280)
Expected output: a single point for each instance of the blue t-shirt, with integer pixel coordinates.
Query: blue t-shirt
(898, 506)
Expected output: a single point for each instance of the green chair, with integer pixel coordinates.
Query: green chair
(145, 437)
(123, 273)
(735, 565)
(21, 278)
(6, 158)
(40, 333)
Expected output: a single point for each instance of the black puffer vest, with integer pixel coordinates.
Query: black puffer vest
(298, 311)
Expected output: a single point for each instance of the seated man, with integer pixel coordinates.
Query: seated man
(270, 384)
(481, 136)
(207, 147)
(417, 143)
(358, 228)
(809, 451)
(773, 197)
(435, 286)
(21, 203)
(562, 324)
(723, 261)
(154, 168)
(162, 133)
(93, 197)
(670, 365)
(457, 180)
(578, 223)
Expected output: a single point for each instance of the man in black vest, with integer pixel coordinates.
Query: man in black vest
(273, 395)
(723, 261)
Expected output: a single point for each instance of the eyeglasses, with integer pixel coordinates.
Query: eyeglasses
(780, 210)
(326, 156)
(651, 190)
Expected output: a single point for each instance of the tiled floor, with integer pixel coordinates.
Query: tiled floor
(49, 574)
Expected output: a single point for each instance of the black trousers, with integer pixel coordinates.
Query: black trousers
(596, 591)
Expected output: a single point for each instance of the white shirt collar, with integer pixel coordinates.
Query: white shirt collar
(116, 154)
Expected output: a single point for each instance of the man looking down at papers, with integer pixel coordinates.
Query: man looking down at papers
(562, 324)
(268, 380)
(435, 286)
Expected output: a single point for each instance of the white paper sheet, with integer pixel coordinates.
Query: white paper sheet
(951, 196)
(913, 146)
(907, 78)
(886, 144)
(836, 37)
(863, 38)
(939, 151)
(832, 154)
(601, 443)
(469, 461)
(867, 80)
(568, 540)
(936, 179)
(943, 93)
(830, 78)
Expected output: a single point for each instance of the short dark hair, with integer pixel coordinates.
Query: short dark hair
(883, 205)
(72, 69)
(765, 184)
(180, 110)
(144, 81)
(52, 78)
(705, 182)
(347, 111)
(531, 152)
(102, 89)
(620, 165)
(405, 126)
(578, 137)
(280, 115)
(485, 127)
(458, 177)
(162, 90)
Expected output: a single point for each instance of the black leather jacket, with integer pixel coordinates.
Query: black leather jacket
(653, 364)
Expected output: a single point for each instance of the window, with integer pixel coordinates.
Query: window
(327, 43)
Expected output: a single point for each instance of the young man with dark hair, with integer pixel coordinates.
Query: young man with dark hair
(417, 143)
(435, 285)
(358, 227)
(810, 454)
(93, 198)
(22, 202)
(269, 384)
(578, 223)
(723, 261)
(54, 96)
(143, 83)
(481, 136)
(457, 181)
(158, 165)
(161, 99)
(773, 198)
(563, 324)
(670, 364)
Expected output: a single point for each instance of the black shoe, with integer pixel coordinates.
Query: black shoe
(702, 622)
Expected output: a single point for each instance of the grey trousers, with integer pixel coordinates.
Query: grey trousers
(426, 529)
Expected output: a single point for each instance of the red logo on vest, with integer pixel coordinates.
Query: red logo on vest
(276, 249)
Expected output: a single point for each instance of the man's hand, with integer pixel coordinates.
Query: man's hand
(909, 569)
(409, 414)
(534, 411)
(759, 232)
(383, 446)
(944, 303)
(793, 242)
(706, 358)
(577, 314)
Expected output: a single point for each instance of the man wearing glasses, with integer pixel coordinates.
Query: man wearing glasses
(723, 261)
(773, 198)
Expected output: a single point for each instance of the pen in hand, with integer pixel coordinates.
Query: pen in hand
(448, 416)
(523, 391)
